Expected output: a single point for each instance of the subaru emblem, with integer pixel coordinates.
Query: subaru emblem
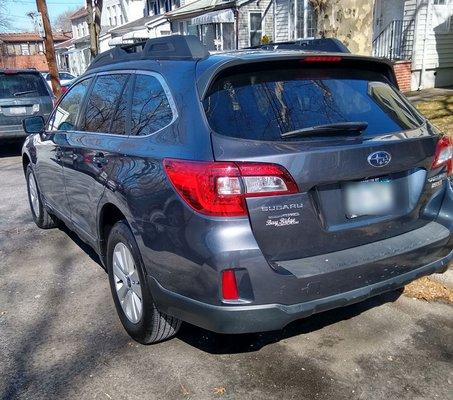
(379, 159)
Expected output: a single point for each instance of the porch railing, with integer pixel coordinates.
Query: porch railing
(395, 41)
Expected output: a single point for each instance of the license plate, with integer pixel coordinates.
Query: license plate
(370, 197)
(17, 110)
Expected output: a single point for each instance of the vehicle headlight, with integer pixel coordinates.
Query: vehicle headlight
(35, 108)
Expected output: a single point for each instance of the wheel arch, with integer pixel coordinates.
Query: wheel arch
(25, 161)
(109, 214)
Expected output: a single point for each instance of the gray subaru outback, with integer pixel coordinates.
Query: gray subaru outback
(23, 93)
(241, 191)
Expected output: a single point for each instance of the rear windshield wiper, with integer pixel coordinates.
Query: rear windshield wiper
(25, 92)
(337, 128)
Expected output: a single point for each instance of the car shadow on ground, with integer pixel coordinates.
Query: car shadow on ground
(11, 148)
(215, 343)
(88, 250)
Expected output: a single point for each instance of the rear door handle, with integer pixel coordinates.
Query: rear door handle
(100, 160)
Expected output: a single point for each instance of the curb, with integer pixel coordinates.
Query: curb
(445, 278)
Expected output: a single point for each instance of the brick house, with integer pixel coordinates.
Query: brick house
(26, 50)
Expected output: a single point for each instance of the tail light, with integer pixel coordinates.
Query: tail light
(220, 188)
(444, 154)
(229, 285)
(326, 59)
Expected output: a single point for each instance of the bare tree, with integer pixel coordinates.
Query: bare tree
(94, 9)
(62, 22)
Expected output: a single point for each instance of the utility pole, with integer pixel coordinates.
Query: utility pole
(91, 29)
(94, 10)
(49, 47)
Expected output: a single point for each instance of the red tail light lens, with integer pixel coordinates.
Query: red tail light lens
(444, 154)
(327, 59)
(229, 285)
(220, 188)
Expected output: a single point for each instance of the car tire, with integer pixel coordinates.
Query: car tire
(141, 319)
(43, 219)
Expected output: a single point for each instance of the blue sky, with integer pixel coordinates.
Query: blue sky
(17, 10)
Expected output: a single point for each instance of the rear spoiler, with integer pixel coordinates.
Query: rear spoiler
(207, 76)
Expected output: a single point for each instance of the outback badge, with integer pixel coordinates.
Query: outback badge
(379, 159)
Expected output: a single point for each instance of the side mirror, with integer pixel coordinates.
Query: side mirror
(33, 124)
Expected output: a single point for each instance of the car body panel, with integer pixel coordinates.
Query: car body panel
(184, 252)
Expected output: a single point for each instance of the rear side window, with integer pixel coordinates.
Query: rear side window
(65, 116)
(17, 85)
(102, 105)
(264, 104)
(151, 109)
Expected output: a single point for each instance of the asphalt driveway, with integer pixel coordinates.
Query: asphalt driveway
(60, 336)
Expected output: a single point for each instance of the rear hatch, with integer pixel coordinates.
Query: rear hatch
(359, 153)
(22, 94)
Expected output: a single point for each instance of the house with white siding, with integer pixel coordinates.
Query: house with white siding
(294, 19)
(420, 33)
(225, 24)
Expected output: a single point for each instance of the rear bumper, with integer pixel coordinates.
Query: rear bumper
(267, 317)
(12, 131)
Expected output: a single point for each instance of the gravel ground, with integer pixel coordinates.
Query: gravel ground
(60, 336)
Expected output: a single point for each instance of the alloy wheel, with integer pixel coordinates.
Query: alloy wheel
(127, 282)
(33, 191)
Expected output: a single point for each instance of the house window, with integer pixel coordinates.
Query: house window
(168, 5)
(441, 18)
(304, 20)
(255, 28)
(24, 50)
(121, 19)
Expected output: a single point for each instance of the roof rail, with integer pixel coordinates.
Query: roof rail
(174, 47)
(326, 44)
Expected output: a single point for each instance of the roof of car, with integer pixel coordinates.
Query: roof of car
(14, 70)
(187, 52)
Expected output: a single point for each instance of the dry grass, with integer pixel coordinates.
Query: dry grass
(439, 110)
(429, 290)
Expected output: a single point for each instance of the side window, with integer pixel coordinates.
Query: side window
(65, 116)
(102, 104)
(151, 110)
(118, 126)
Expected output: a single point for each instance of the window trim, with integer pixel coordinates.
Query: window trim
(169, 96)
(133, 73)
(87, 97)
(82, 107)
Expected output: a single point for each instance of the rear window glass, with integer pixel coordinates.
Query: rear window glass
(264, 104)
(22, 85)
